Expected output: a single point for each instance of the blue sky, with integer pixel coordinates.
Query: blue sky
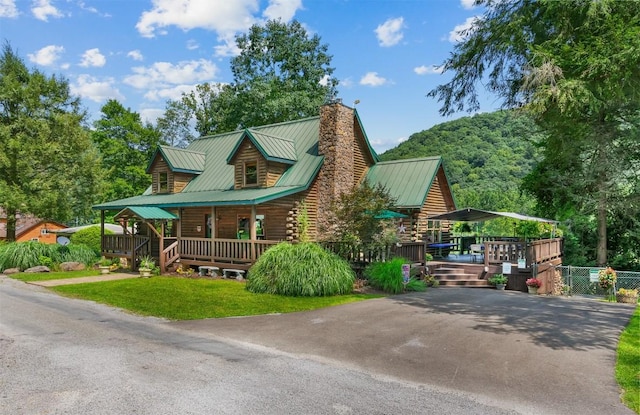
(143, 52)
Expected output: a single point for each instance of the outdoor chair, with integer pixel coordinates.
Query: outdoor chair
(476, 250)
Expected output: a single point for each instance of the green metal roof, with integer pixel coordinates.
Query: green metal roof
(180, 160)
(214, 186)
(146, 212)
(408, 181)
(210, 198)
(272, 148)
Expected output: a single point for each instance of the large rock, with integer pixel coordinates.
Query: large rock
(72, 266)
(9, 271)
(39, 268)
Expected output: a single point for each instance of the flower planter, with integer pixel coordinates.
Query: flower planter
(501, 286)
(532, 290)
(626, 298)
(145, 272)
(104, 269)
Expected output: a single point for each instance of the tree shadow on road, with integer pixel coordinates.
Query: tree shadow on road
(555, 322)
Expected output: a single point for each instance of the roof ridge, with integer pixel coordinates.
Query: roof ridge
(183, 149)
(252, 130)
(410, 160)
(285, 122)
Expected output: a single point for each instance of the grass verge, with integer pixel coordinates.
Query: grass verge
(190, 299)
(628, 363)
(56, 275)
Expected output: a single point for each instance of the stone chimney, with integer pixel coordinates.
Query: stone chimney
(336, 143)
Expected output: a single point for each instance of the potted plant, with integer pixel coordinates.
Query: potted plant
(607, 281)
(104, 265)
(146, 266)
(533, 284)
(629, 296)
(499, 280)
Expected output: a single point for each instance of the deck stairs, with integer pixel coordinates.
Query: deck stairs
(450, 274)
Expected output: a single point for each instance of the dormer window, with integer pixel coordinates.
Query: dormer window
(163, 182)
(251, 173)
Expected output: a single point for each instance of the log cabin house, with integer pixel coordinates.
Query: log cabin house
(227, 198)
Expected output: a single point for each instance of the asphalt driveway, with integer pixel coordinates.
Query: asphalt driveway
(532, 354)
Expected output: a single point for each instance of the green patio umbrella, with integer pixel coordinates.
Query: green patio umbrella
(390, 214)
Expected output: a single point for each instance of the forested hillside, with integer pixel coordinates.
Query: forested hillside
(485, 157)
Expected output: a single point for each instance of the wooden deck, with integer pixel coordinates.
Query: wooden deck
(457, 268)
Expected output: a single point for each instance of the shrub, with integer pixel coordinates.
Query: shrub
(25, 255)
(387, 276)
(303, 269)
(90, 237)
(498, 279)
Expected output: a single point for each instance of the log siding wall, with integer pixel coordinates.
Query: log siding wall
(176, 182)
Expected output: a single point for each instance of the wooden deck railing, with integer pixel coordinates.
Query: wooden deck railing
(533, 252)
(412, 251)
(123, 244)
(229, 250)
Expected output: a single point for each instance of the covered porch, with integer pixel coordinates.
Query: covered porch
(187, 237)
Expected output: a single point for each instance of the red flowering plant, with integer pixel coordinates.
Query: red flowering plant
(533, 282)
(607, 278)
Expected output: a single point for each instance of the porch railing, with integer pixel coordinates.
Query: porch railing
(124, 244)
(228, 250)
(533, 252)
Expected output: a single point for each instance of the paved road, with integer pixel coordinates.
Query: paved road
(410, 354)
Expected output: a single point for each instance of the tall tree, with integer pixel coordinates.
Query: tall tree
(281, 73)
(48, 165)
(126, 146)
(575, 66)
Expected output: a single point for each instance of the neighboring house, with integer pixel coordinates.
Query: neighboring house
(30, 228)
(228, 197)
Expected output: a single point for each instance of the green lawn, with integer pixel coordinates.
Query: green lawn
(58, 275)
(628, 363)
(189, 299)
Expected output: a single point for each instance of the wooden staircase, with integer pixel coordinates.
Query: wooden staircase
(450, 274)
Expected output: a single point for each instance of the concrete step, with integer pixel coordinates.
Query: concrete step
(465, 283)
(459, 276)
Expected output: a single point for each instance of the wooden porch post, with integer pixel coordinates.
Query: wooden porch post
(132, 236)
(161, 247)
(253, 232)
(213, 233)
(102, 232)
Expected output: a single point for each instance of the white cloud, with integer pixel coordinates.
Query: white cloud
(43, 9)
(8, 9)
(373, 79)
(96, 90)
(346, 83)
(468, 4)
(390, 33)
(223, 17)
(136, 55)
(282, 9)
(46, 56)
(428, 70)
(173, 93)
(93, 57)
(151, 115)
(192, 44)
(227, 47)
(457, 34)
(166, 74)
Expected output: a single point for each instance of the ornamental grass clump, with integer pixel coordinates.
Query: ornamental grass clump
(303, 269)
(23, 255)
(387, 276)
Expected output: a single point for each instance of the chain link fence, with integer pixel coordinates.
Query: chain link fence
(584, 280)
